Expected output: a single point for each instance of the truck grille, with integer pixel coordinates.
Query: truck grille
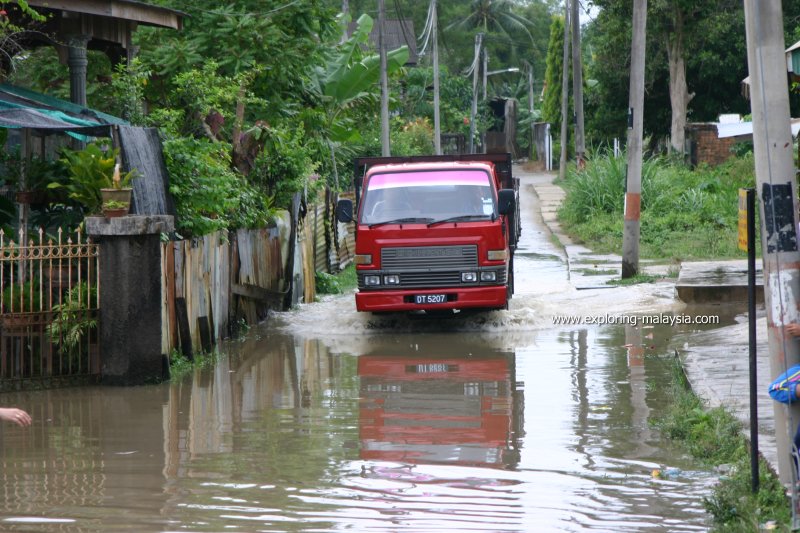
(428, 258)
(430, 267)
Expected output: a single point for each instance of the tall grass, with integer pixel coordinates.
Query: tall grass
(686, 213)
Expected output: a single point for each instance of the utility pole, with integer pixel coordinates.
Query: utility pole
(345, 19)
(633, 190)
(562, 164)
(474, 112)
(385, 148)
(437, 128)
(777, 190)
(484, 74)
(577, 85)
(530, 108)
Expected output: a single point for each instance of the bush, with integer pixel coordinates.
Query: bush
(284, 167)
(208, 194)
(326, 283)
(412, 138)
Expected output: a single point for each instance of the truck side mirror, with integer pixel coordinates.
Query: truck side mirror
(506, 201)
(344, 210)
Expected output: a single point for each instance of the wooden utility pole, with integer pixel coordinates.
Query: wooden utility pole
(577, 85)
(633, 190)
(437, 128)
(474, 112)
(385, 148)
(777, 195)
(562, 164)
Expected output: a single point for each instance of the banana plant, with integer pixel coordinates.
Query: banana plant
(349, 77)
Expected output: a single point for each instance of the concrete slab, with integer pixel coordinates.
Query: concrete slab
(717, 282)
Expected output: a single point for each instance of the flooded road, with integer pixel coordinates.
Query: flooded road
(324, 419)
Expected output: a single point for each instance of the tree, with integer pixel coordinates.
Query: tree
(713, 51)
(551, 107)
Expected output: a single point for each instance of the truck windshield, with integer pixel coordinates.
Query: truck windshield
(434, 194)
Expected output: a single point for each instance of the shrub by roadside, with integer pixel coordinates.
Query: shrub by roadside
(342, 282)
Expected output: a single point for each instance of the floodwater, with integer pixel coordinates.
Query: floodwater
(324, 419)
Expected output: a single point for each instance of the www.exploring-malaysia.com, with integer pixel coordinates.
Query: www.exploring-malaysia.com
(634, 320)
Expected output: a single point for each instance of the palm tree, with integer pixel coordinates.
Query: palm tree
(493, 15)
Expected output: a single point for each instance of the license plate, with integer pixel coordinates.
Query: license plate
(430, 298)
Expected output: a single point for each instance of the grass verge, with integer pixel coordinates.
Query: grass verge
(715, 437)
(685, 213)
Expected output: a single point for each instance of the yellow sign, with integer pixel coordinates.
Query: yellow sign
(743, 219)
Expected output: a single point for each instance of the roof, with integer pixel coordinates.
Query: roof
(792, 67)
(23, 108)
(744, 129)
(139, 12)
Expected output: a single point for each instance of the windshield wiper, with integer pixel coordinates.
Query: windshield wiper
(458, 219)
(405, 220)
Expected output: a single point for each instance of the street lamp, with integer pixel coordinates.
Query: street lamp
(511, 69)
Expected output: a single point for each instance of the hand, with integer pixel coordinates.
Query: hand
(793, 329)
(17, 416)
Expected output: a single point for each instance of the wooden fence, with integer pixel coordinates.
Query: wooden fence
(214, 282)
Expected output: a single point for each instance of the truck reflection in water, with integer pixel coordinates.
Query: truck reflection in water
(464, 410)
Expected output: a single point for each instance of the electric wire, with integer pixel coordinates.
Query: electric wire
(425, 36)
(402, 22)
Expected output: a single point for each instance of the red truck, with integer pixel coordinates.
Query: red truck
(434, 233)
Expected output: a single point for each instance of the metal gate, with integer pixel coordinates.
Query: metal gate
(49, 305)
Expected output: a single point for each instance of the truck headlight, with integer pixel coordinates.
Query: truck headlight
(363, 259)
(372, 280)
(469, 277)
(488, 275)
(391, 280)
(497, 255)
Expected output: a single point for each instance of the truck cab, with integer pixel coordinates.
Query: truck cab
(434, 233)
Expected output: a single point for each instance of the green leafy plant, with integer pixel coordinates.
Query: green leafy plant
(326, 283)
(284, 167)
(114, 204)
(73, 319)
(90, 170)
(209, 195)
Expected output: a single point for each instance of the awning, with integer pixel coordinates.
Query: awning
(22, 108)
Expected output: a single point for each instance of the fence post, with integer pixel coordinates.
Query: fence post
(131, 293)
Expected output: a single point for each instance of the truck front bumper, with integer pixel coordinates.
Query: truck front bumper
(492, 297)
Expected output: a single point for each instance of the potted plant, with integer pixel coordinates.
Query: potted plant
(120, 190)
(91, 171)
(39, 174)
